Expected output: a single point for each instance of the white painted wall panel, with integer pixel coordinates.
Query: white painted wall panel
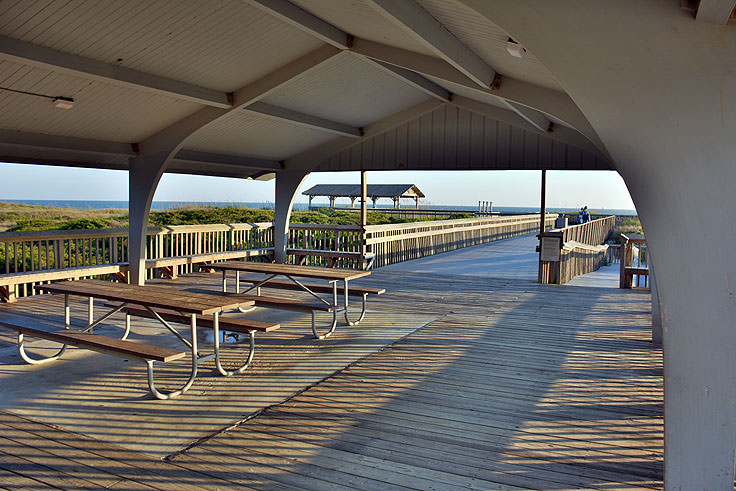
(452, 138)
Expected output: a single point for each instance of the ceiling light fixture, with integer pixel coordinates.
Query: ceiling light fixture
(515, 49)
(63, 102)
(59, 102)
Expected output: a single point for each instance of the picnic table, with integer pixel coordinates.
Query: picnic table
(294, 275)
(160, 303)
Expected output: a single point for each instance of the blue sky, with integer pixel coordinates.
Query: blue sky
(565, 189)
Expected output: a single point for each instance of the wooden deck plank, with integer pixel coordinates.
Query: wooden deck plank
(513, 385)
(121, 462)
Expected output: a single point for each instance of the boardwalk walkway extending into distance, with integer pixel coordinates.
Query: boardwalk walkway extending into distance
(462, 377)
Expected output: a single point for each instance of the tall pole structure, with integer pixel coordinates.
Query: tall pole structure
(363, 215)
(542, 214)
(363, 199)
(543, 202)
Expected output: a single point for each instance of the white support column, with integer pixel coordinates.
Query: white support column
(670, 130)
(287, 185)
(143, 177)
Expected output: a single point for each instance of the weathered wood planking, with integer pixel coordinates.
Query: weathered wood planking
(514, 386)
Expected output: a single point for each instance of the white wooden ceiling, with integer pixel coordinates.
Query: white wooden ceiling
(286, 81)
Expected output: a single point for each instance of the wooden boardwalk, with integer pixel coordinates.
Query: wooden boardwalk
(509, 385)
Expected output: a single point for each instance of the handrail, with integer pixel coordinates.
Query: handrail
(634, 269)
(112, 232)
(581, 252)
(337, 245)
(389, 244)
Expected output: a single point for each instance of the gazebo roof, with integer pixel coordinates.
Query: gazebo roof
(374, 190)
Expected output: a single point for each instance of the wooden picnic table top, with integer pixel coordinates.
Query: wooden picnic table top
(317, 272)
(150, 295)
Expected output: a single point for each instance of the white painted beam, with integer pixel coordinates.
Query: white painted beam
(81, 146)
(411, 17)
(35, 55)
(415, 80)
(159, 150)
(272, 81)
(302, 119)
(182, 129)
(228, 160)
(715, 11)
(300, 18)
(497, 113)
(547, 101)
(412, 68)
(534, 118)
(217, 170)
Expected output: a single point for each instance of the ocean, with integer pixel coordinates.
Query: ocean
(167, 205)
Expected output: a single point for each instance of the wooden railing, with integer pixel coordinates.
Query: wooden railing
(391, 244)
(581, 251)
(591, 233)
(325, 245)
(634, 272)
(31, 258)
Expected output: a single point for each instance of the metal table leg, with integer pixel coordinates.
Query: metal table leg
(195, 358)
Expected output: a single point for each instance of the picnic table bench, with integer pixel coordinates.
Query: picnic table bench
(157, 301)
(294, 274)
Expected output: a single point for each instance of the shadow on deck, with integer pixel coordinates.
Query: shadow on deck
(458, 382)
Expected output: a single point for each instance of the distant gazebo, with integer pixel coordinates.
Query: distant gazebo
(375, 191)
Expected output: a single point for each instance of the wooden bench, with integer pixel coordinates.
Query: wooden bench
(94, 342)
(285, 303)
(243, 326)
(292, 304)
(360, 291)
(225, 324)
(333, 256)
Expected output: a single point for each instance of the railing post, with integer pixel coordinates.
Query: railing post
(624, 252)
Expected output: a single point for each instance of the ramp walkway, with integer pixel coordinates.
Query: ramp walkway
(514, 259)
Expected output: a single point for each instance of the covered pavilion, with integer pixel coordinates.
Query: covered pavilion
(373, 191)
(259, 89)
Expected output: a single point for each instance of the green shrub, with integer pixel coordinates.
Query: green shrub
(85, 224)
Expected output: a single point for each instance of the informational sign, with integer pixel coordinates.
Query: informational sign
(550, 249)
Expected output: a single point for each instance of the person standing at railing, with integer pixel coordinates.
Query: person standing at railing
(585, 214)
